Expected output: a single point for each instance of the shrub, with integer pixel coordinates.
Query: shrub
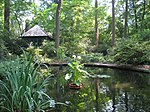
(49, 48)
(145, 34)
(3, 50)
(93, 57)
(132, 51)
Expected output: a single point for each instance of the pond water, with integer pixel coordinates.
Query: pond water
(123, 91)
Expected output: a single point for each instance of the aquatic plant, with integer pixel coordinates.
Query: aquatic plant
(76, 72)
(23, 87)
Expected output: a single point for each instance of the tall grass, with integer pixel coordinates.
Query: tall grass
(23, 87)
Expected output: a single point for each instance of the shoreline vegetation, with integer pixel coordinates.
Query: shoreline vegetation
(137, 68)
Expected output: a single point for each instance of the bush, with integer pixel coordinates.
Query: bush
(49, 48)
(3, 50)
(132, 51)
(145, 35)
(93, 57)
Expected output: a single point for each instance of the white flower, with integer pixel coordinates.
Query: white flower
(74, 56)
(79, 57)
(68, 76)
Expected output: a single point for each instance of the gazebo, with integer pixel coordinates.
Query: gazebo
(36, 35)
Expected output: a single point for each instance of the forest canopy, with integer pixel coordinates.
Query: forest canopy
(113, 31)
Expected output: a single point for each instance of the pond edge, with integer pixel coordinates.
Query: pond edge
(137, 68)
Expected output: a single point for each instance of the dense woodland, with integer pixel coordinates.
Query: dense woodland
(88, 28)
(83, 31)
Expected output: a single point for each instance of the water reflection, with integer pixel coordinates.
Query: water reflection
(124, 91)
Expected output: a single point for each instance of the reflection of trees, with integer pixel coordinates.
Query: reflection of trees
(124, 91)
(87, 99)
(97, 93)
(135, 78)
(130, 86)
(113, 91)
(140, 99)
(126, 100)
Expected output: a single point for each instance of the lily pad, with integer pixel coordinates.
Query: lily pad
(100, 76)
(103, 76)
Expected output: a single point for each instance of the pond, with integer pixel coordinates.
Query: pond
(121, 91)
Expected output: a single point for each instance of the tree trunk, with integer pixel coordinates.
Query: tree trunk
(144, 5)
(58, 23)
(136, 26)
(6, 14)
(126, 20)
(143, 15)
(96, 24)
(113, 22)
(27, 25)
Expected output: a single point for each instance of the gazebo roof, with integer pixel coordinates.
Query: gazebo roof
(35, 31)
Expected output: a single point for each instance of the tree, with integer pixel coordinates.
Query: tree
(96, 24)
(6, 14)
(144, 8)
(126, 19)
(113, 23)
(135, 15)
(58, 23)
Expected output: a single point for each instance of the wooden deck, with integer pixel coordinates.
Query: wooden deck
(138, 68)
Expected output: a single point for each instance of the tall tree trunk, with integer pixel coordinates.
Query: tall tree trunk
(135, 16)
(113, 22)
(27, 25)
(126, 20)
(58, 23)
(144, 5)
(96, 24)
(6, 14)
(143, 15)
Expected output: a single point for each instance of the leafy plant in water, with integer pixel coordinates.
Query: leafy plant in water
(23, 87)
(76, 73)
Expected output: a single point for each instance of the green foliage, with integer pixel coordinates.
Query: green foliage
(78, 46)
(145, 35)
(14, 47)
(36, 52)
(48, 48)
(132, 51)
(61, 53)
(23, 87)
(3, 50)
(76, 73)
(76, 28)
(38, 55)
(93, 57)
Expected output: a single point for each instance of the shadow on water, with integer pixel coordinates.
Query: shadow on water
(123, 91)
